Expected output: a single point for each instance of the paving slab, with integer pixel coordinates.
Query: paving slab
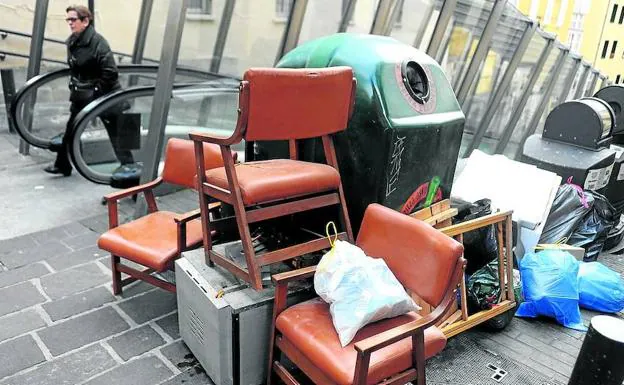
(150, 305)
(21, 274)
(82, 278)
(18, 297)
(148, 370)
(136, 342)
(78, 303)
(15, 324)
(77, 242)
(70, 369)
(170, 325)
(19, 354)
(77, 257)
(43, 251)
(82, 330)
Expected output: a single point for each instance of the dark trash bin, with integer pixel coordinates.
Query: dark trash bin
(400, 148)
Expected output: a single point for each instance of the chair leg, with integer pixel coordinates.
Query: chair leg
(205, 220)
(345, 215)
(418, 357)
(250, 256)
(117, 287)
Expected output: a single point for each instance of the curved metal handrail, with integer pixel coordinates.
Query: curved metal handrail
(97, 107)
(22, 96)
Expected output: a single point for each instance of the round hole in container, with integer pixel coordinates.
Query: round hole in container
(416, 81)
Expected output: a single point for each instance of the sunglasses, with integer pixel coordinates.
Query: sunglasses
(73, 19)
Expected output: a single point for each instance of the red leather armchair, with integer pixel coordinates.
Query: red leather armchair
(157, 239)
(288, 105)
(391, 351)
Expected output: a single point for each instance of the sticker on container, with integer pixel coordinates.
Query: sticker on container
(621, 173)
(618, 151)
(598, 178)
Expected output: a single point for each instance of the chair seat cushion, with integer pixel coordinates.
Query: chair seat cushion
(272, 180)
(151, 240)
(308, 326)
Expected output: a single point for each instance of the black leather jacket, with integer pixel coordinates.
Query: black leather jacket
(92, 66)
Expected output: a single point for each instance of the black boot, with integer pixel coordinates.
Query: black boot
(56, 143)
(53, 169)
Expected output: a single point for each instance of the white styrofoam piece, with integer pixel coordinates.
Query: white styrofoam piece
(510, 185)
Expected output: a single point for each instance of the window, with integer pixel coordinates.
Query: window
(200, 7)
(604, 49)
(613, 50)
(282, 8)
(399, 16)
(614, 13)
(617, 79)
(621, 16)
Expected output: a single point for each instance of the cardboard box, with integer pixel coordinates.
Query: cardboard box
(577, 252)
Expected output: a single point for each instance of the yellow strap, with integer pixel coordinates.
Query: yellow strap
(220, 294)
(331, 242)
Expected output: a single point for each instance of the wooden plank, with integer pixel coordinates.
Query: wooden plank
(456, 316)
(216, 192)
(474, 224)
(441, 217)
(296, 250)
(509, 252)
(440, 207)
(477, 318)
(292, 207)
(463, 294)
(501, 260)
(402, 378)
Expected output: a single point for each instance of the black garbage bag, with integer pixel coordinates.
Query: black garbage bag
(570, 206)
(591, 233)
(480, 246)
(483, 288)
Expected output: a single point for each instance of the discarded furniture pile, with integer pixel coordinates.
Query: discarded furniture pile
(268, 290)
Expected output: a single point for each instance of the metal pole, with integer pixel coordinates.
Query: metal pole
(537, 115)
(224, 28)
(8, 90)
(141, 34)
(290, 38)
(569, 80)
(482, 49)
(34, 62)
(383, 17)
(162, 93)
(581, 84)
(603, 82)
(441, 26)
(502, 143)
(420, 35)
(502, 89)
(592, 84)
(346, 16)
(91, 6)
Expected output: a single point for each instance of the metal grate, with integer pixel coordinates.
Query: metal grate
(464, 362)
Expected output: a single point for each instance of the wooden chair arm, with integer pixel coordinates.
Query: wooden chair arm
(190, 215)
(295, 275)
(132, 190)
(477, 223)
(221, 141)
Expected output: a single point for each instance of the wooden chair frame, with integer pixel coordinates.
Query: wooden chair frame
(364, 348)
(113, 221)
(456, 321)
(247, 215)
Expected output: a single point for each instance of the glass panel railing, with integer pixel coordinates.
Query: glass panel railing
(416, 21)
(576, 82)
(535, 98)
(41, 108)
(199, 37)
(363, 16)
(462, 37)
(504, 44)
(555, 97)
(322, 18)
(514, 92)
(255, 35)
(113, 130)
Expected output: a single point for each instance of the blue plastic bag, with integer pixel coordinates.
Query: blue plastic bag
(600, 288)
(550, 287)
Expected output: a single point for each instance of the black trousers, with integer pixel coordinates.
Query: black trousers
(109, 118)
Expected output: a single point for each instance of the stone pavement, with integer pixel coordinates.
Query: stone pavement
(60, 323)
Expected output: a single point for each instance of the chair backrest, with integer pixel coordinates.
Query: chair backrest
(422, 258)
(180, 167)
(298, 103)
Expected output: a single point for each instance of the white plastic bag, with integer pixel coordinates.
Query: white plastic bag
(359, 289)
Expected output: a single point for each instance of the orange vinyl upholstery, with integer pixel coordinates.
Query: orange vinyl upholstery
(309, 327)
(422, 258)
(180, 161)
(285, 104)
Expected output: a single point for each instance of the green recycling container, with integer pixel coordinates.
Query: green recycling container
(401, 146)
